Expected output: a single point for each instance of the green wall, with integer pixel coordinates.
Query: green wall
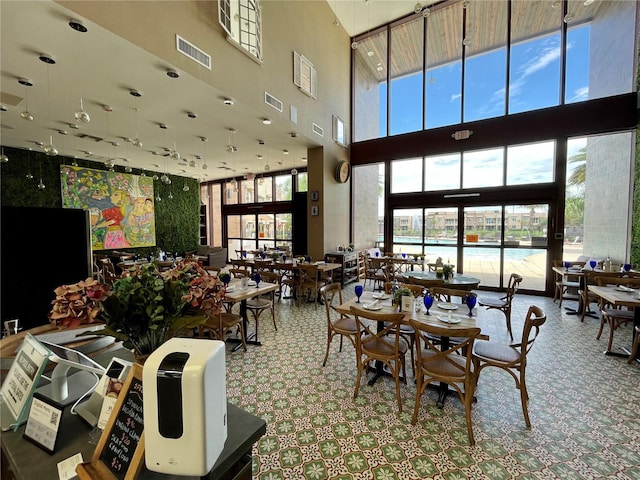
(177, 219)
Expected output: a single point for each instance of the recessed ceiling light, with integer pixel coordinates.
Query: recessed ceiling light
(135, 93)
(286, 152)
(25, 82)
(172, 73)
(304, 159)
(228, 101)
(3, 108)
(77, 25)
(191, 115)
(588, 2)
(266, 121)
(75, 126)
(47, 58)
(107, 108)
(163, 126)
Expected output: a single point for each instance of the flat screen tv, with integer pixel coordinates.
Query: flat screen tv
(40, 249)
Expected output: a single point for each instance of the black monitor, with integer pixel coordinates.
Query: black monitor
(40, 249)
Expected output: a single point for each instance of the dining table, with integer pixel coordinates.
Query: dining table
(236, 292)
(442, 314)
(458, 281)
(619, 297)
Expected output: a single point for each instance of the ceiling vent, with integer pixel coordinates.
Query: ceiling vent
(89, 137)
(273, 101)
(193, 52)
(317, 129)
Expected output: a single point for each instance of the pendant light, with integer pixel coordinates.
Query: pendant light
(204, 153)
(136, 141)
(26, 115)
(29, 175)
(186, 187)
(3, 157)
(230, 148)
(41, 185)
(81, 115)
(49, 149)
(354, 44)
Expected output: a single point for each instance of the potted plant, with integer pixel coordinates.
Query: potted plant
(399, 293)
(447, 271)
(78, 303)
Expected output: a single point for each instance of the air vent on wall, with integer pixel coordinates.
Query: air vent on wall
(273, 101)
(317, 129)
(193, 52)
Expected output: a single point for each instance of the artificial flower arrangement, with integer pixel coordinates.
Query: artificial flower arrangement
(78, 303)
(144, 307)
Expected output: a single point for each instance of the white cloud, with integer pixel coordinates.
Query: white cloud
(455, 97)
(580, 94)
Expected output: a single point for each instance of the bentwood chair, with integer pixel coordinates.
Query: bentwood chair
(587, 297)
(612, 316)
(380, 342)
(218, 325)
(445, 365)
(263, 303)
(337, 323)
(287, 279)
(427, 283)
(565, 283)
(511, 358)
(503, 303)
(308, 281)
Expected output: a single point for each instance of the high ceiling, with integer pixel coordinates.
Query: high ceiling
(102, 69)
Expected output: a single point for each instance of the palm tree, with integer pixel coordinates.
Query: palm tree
(579, 173)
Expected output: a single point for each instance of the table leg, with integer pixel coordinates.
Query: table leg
(245, 326)
(626, 351)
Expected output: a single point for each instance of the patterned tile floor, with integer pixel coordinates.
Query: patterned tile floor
(584, 408)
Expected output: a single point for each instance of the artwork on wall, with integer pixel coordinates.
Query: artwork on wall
(121, 206)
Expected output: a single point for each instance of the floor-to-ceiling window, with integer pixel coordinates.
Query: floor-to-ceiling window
(510, 167)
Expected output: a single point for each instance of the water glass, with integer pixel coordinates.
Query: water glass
(592, 264)
(358, 290)
(428, 302)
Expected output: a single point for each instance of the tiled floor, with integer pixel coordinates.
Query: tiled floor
(584, 408)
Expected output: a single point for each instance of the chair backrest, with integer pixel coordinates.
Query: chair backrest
(445, 294)
(512, 287)
(384, 326)
(535, 317)
(308, 272)
(270, 277)
(624, 281)
(428, 337)
(426, 282)
(263, 265)
(332, 297)
(415, 289)
(239, 272)
(108, 270)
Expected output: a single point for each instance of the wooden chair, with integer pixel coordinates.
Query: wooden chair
(586, 297)
(511, 358)
(375, 272)
(503, 303)
(108, 271)
(636, 346)
(615, 317)
(564, 283)
(416, 290)
(218, 326)
(260, 266)
(239, 272)
(288, 279)
(343, 325)
(426, 282)
(450, 295)
(380, 342)
(308, 281)
(448, 365)
(262, 303)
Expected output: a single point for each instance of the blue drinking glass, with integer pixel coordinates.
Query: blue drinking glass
(470, 300)
(244, 254)
(377, 254)
(404, 255)
(428, 302)
(256, 278)
(284, 258)
(627, 267)
(358, 292)
(592, 264)
(567, 265)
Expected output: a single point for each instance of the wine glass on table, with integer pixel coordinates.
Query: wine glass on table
(627, 267)
(470, 300)
(428, 302)
(358, 290)
(592, 264)
(567, 265)
(256, 278)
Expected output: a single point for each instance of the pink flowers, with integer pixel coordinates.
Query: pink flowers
(78, 303)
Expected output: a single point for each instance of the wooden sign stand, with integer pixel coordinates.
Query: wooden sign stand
(120, 451)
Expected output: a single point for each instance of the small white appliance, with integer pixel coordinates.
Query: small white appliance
(185, 406)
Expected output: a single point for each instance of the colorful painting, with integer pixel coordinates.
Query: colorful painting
(120, 206)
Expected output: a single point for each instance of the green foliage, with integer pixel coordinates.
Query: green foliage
(401, 292)
(177, 219)
(145, 309)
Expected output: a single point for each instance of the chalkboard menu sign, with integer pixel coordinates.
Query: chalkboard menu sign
(120, 451)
